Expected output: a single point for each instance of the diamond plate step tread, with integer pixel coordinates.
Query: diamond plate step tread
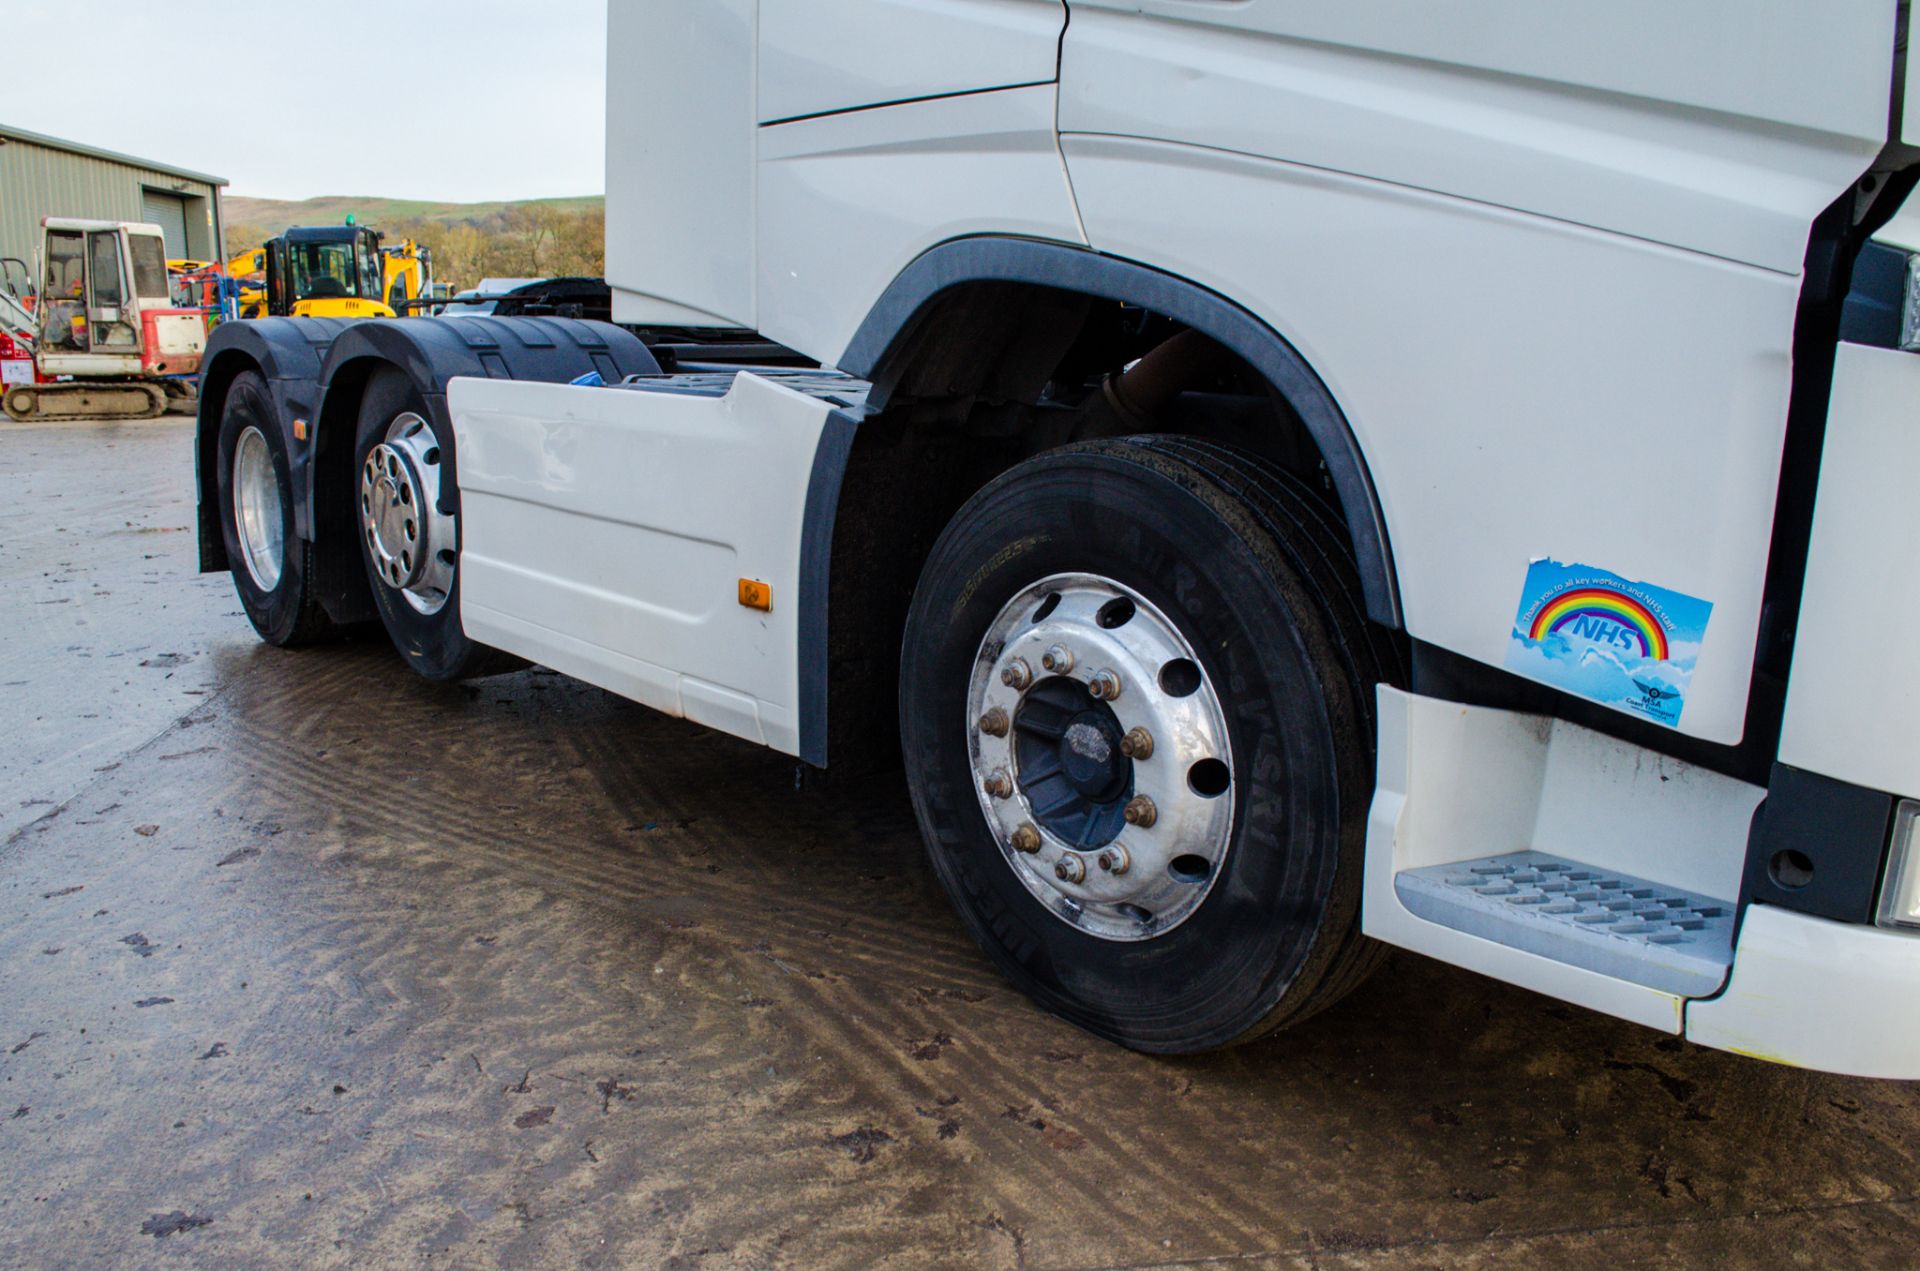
(1611, 923)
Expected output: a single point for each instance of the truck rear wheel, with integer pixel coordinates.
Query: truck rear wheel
(272, 566)
(406, 517)
(1136, 703)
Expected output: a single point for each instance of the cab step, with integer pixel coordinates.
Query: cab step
(1615, 924)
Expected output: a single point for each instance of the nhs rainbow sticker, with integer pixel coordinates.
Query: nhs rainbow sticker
(1630, 645)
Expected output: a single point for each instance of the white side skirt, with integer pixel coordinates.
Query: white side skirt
(604, 533)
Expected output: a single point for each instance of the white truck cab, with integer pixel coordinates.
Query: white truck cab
(1283, 480)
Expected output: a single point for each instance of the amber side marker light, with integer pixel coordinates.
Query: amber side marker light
(756, 595)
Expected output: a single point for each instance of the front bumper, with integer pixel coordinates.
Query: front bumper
(1836, 996)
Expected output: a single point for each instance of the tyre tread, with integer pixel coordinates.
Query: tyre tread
(1303, 532)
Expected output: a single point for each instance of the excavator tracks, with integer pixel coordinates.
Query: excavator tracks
(84, 400)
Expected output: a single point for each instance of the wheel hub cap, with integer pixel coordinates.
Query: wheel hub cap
(1066, 749)
(410, 541)
(1111, 794)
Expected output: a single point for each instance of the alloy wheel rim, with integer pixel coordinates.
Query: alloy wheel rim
(1100, 757)
(259, 519)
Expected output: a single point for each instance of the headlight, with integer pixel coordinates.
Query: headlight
(1900, 892)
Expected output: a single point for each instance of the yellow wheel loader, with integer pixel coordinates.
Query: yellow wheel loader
(336, 271)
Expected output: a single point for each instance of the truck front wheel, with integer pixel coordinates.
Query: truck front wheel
(405, 514)
(1135, 707)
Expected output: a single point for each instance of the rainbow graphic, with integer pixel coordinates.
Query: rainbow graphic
(1603, 602)
(1654, 634)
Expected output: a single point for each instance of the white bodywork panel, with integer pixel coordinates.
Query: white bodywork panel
(1687, 140)
(1822, 67)
(604, 533)
(1910, 110)
(179, 335)
(1836, 996)
(686, 84)
(818, 57)
(680, 116)
(1505, 235)
(1459, 782)
(1520, 387)
(847, 201)
(1853, 702)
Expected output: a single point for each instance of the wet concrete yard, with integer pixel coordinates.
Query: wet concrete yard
(310, 963)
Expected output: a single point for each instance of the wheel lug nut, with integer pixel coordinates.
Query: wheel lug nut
(1070, 868)
(1114, 860)
(994, 723)
(1140, 811)
(1105, 685)
(1058, 659)
(1026, 839)
(1016, 674)
(999, 784)
(1137, 744)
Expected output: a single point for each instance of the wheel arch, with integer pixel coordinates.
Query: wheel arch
(288, 353)
(886, 334)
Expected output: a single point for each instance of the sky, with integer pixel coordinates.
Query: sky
(448, 100)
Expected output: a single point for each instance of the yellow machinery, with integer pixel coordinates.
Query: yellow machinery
(408, 272)
(333, 271)
(249, 273)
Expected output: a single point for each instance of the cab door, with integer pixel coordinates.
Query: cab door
(110, 319)
(63, 293)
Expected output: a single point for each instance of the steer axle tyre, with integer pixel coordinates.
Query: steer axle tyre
(406, 517)
(272, 566)
(1136, 708)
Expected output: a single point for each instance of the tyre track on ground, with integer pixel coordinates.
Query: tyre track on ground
(604, 754)
(299, 782)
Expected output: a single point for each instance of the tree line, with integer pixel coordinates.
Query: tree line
(531, 240)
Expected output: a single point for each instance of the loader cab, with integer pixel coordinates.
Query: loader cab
(97, 278)
(328, 271)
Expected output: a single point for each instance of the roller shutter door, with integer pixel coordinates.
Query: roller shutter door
(170, 214)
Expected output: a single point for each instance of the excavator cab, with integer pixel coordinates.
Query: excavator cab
(98, 278)
(106, 338)
(326, 271)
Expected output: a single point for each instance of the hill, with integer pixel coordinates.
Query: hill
(276, 215)
(533, 238)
